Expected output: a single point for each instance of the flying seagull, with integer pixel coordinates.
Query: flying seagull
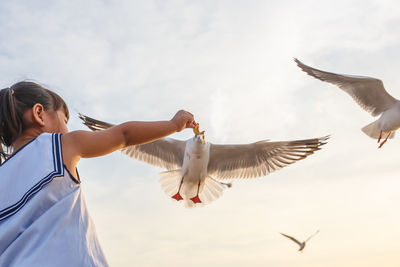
(195, 166)
(370, 94)
(301, 244)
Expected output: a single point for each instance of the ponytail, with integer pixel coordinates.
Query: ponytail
(17, 99)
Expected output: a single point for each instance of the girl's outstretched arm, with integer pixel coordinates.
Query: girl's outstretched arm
(85, 144)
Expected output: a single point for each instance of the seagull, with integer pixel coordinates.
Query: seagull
(301, 244)
(370, 94)
(195, 166)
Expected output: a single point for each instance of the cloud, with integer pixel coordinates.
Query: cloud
(229, 63)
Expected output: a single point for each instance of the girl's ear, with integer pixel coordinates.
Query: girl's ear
(38, 114)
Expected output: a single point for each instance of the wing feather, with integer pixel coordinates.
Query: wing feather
(311, 236)
(292, 238)
(166, 153)
(367, 92)
(258, 159)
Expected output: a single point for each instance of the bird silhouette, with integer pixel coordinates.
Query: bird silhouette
(370, 94)
(195, 166)
(301, 244)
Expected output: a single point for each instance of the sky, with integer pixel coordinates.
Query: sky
(230, 63)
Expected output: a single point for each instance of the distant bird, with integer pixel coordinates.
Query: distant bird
(194, 165)
(370, 94)
(301, 244)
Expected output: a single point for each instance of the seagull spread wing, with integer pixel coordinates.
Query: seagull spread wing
(258, 159)
(166, 153)
(292, 238)
(312, 236)
(368, 92)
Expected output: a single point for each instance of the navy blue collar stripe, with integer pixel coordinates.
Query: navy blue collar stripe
(26, 197)
(35, 186)
(58, 171)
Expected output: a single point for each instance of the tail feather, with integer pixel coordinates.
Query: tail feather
(373, 130)
(170, 181)
(206, 195)
(187, 203)
(212, 190)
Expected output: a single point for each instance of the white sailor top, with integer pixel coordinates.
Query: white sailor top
(43, 216)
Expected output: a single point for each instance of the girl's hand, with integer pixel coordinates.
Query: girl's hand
(183, 120)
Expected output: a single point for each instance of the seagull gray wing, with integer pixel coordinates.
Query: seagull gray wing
(312, 236)
(166, 153)
(292, 238)
(258, 159)
(367, 92)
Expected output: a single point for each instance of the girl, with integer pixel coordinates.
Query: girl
(43, 215)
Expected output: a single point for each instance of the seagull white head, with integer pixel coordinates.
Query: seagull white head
(199, 136)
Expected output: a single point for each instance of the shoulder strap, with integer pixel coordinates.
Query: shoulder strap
(25, 173)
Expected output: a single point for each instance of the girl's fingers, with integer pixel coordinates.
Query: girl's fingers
(190, 124)
(184, 119)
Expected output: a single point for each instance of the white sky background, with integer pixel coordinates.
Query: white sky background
(230, 63)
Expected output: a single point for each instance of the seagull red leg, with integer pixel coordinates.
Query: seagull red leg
(178, 196)
(380, 136)
(196, 199)
(385, 140)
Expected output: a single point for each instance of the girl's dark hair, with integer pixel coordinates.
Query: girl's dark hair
(17, 99)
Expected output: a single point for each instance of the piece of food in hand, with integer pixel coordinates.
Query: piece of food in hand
(197, 131)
